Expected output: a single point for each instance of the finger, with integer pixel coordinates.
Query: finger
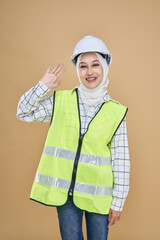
(48, 68)
(59, 82)
(62, 71)
(55, 68)
(113, 219)
(111, 222)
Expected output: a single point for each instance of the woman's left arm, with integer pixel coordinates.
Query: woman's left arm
(121, 170)
(120, 166)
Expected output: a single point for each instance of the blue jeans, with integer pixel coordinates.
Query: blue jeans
(70, 223)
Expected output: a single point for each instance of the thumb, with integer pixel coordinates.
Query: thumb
(59, 82)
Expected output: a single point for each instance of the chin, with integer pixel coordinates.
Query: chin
(92, 86)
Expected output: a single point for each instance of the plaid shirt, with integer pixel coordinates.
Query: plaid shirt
(35, 106)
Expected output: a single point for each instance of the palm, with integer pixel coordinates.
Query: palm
(50, 78)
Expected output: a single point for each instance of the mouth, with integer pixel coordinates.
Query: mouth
(91, 79)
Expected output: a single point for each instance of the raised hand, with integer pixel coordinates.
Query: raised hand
(50, 79)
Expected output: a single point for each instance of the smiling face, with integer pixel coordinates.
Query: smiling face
(90, 70)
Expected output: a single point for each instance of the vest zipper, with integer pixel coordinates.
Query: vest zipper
(70, 192)
(75, 165)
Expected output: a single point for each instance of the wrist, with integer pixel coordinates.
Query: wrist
(45, 87)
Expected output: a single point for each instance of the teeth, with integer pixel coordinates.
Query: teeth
(90, 79)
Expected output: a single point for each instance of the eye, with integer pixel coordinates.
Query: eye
(96, 64)
(82, 66)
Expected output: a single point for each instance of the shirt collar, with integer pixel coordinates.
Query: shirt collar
(107, 97)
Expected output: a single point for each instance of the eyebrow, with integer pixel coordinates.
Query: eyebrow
(92, 61)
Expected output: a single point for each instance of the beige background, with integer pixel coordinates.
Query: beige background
(36, 33)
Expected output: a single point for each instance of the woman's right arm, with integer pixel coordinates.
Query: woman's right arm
(34, 105)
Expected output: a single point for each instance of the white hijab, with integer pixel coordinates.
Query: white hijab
(93, 96)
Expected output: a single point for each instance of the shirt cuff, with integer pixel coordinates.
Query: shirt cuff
(117, 204)
(42, 89)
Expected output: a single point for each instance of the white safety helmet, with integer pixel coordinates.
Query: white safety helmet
(91, 44)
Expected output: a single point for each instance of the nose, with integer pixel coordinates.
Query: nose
(89, 72)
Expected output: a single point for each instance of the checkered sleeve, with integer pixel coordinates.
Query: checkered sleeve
(34, 105)
(120, 166)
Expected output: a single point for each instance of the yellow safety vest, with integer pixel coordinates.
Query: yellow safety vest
(74, 163)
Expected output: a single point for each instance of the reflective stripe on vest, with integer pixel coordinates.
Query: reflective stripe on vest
(79, 187)
(70, 155)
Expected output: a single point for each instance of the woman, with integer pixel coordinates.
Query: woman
(85, 161)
